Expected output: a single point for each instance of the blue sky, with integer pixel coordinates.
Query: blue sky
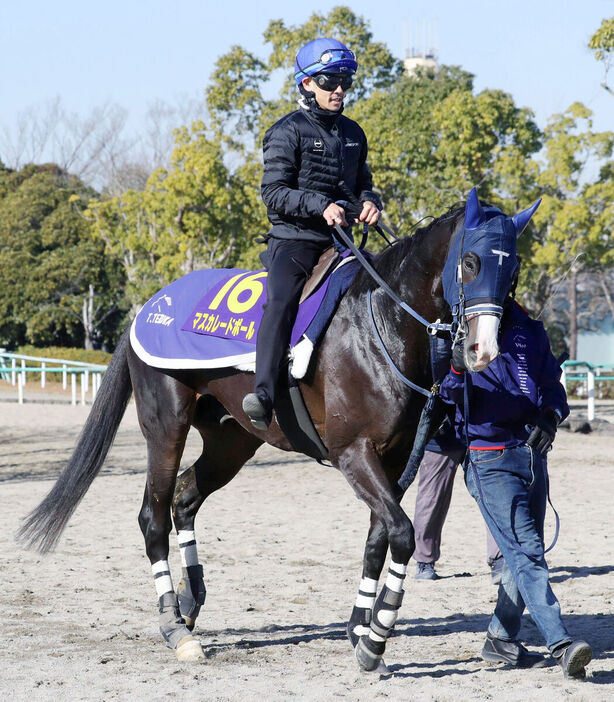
(133, 52)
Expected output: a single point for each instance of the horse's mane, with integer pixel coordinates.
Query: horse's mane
(388, 262)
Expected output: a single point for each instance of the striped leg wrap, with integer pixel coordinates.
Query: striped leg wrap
(162, 578)
(371, 648)
(361, 614)
(191, 590)
(187, 548)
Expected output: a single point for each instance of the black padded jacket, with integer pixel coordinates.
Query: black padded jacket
(305, 157)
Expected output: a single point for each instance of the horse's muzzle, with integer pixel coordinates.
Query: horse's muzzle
(481, 345)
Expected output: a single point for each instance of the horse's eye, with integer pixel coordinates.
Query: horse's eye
(471, 267)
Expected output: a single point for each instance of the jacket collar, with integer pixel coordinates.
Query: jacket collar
(325, 118)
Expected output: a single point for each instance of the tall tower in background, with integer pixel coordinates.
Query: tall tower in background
(420, 41)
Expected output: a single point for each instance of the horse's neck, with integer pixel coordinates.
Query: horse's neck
(418, 278)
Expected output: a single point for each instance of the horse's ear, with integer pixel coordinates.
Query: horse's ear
(474, 214)
(522, 218)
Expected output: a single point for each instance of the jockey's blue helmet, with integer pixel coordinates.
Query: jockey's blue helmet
(324, 55)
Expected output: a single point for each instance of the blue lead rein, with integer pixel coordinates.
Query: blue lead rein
(387, 356)
(424, 425)
(431, 327)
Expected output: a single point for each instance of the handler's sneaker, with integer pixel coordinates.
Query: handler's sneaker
(573, 657)
(511, 653)
(425, 571)
(254, 408)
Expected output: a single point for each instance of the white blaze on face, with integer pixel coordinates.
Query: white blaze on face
(481, 346)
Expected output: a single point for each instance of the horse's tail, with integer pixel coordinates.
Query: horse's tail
(44, 525)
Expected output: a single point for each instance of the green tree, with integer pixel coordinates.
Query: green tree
(402, 140)
(196, 214)
(431, 140)
(602, 44)
(50, 266)
(574, 222)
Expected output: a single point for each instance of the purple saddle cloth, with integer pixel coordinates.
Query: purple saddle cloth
(210, 319)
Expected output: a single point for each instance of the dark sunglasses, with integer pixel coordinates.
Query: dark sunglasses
(330, 81)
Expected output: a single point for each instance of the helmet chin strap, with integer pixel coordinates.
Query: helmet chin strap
(308, 94)
(308, 101)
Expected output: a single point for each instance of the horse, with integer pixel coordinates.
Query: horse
(366, 416)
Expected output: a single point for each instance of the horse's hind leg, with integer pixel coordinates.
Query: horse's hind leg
(226, 448)
(165, 408)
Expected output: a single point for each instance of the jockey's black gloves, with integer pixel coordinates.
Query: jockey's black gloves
(544, 431)
(458, 359)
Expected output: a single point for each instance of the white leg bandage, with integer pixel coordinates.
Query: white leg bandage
(367, 592)
(187, 548)
(162, 577)
(396, 576)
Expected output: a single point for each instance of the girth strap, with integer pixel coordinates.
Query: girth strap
(295, 421)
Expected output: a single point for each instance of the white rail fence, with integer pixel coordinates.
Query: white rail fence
(85, 378)
(586, 374)
(15, 368)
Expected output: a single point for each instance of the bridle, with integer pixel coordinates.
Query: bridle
(457, 330)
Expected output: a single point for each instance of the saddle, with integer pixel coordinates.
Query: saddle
(327, 261)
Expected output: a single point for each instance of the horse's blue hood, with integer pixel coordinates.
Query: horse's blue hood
(492, 236)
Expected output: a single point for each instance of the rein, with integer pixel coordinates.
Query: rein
(431, 327)
(429, 410)
(387, 356)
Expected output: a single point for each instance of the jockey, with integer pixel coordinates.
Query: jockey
(508, 414)
(306, 155)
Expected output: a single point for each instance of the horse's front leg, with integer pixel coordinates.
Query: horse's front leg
(376, 549)
(363, 469)
(165, 410)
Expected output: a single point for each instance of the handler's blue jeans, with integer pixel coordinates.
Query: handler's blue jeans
(510, 487)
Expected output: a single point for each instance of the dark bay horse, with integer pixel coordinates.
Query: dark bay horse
(365, 415)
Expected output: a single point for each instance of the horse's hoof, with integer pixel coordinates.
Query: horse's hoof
(189, 650)
(382, 668)
(368, 660)
(355, 632)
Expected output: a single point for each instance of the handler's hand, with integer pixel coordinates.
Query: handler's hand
(334, 214)
(369, 214)
(544, 431)
(458, 358)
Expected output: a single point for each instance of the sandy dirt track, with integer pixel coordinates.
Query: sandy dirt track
(281, 548)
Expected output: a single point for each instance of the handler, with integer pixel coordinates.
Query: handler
(306, 154)
(509, 413)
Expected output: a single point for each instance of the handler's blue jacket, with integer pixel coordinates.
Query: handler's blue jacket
(505, 399)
